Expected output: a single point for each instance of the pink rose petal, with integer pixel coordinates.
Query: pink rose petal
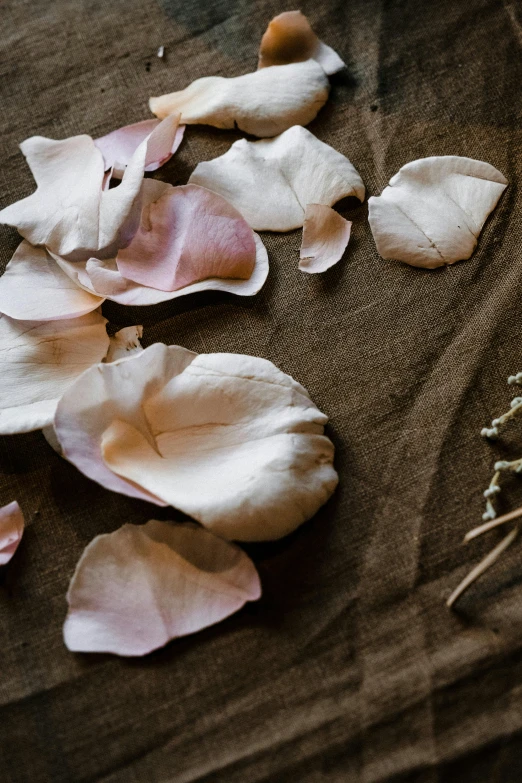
(325, 237)
(187, 235)
(11, 530)
(137, 588)
(119, 146)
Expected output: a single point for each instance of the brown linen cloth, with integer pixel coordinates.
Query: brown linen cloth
(349, 668)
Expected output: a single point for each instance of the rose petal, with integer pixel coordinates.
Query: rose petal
(34, 288)
(39, 361)
(102, 275)
(289, 38)
(70, 212)
(11, 530)
(125, 343)
(325, 237)
(188, 235)
(119, 146)
(141, 586)
(114, 391)
(263, 103)
(228, 439)
(271, 182)
(433, 210)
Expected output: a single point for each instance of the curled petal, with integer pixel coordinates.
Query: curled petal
(137, 588)
(119, 146)
(228, 439)
(125, 343)
(433, 210)
(289, 38)
(189, 234)
(34, 288)
(263, 103)
(39, 361)
(325, 237)
(11, 530)
(271, 182)
(70, 212)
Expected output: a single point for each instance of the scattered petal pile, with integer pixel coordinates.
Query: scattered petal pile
(433, 210)
(228, 439)
(272, 182)
(141, 586)
(11, 530)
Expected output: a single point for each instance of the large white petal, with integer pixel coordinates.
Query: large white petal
(228, 439)
(263, 103)
(433, 210)
(69, 212)
(39, 361)
(271, 182)
(34, 288)
(137, 588)
(289, 38)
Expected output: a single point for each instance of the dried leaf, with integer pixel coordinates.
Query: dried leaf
(325, 237)
(433, 210)
(137, 588)
(271, 182)
(263, 103)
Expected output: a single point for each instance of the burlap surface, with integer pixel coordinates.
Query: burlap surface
(350, 668)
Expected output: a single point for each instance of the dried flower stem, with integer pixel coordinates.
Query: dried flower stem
(478, 531)
(483, 566)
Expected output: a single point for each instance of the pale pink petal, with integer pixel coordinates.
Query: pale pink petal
(11, 530)
(108, 393)
(325, 237)
(119, 146)
(137, 588)
(34, 288)
(188, 235)
(289, 38)
(39, 360)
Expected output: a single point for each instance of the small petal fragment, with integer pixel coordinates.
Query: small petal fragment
(39, 361)
(325, 237)
(228, 439)
(125, 343)
(263, 103)
(137, 588)
(271, 182)
(11, 530)
(189, 234)
(34, 288)
(119, 146)
(69, 212)
(289, 38)
(434, 209)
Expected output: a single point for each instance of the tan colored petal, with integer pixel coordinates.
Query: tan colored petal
(325, 237)
(289, 38)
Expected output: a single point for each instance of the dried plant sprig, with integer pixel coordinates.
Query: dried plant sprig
(478, 531)
(483, 566)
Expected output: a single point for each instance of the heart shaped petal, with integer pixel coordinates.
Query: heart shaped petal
(137, 588)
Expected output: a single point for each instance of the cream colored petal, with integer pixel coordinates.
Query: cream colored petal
(263, 103)
(271, 182)
(434, 209)
(34, 288)
(39, 361)
(11, 530)
(289, 38)
(109, 392)
(125, 343)
(325, 237)
(137, 588)
(238, 445)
